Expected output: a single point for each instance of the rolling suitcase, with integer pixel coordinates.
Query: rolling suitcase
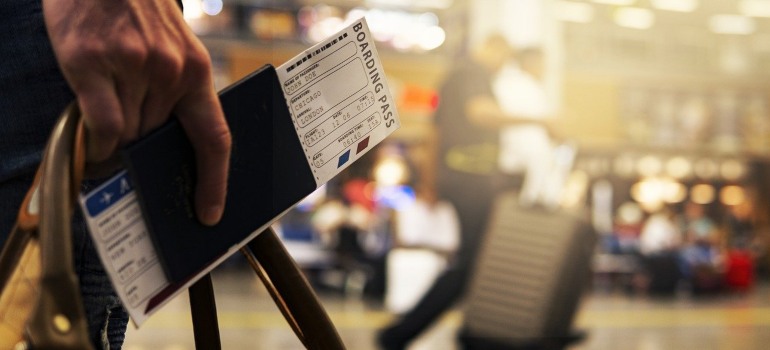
(532, 270)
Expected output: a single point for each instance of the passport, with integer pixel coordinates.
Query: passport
(294, 127)
(268, 175)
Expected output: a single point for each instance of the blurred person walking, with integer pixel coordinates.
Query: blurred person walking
(468, 121)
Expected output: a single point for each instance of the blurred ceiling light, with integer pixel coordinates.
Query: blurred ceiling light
(671, 191)
(624, 165)
(356, 13)
(732, 195)
(634, 17)
(646, 194)
(678, 167)
(212, 7)
(324, 28)
(675, 192)
(653, 192)
(193, 9)
(402, 42)
(732, 170)
(391, 171)
(629, 213)
(615, 2)
(431, 38)
(428, 18)
(732, 24)
(675, 5)
(397, 28)
(702, 194)
(754, 8)
(576, 12)
(705, 168)
(649, 166)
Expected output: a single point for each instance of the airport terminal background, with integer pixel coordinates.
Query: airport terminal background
(665, 100)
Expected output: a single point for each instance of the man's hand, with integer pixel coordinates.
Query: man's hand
(132, 63)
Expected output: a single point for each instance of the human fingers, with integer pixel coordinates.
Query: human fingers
(102, 114)
(200, 114)
(110, 97)
(164, 90)
(204, 123)
(131, 93)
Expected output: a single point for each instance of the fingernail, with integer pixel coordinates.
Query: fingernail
(212, 215)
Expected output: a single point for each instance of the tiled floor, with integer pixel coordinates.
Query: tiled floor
(249, 320)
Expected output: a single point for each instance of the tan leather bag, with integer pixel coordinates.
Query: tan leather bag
(40, 304)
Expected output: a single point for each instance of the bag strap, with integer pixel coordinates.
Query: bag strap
(291, 292)
(289, 289)
(58, 320)
(204, 314)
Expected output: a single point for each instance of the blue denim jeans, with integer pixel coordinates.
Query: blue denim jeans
(32, 95)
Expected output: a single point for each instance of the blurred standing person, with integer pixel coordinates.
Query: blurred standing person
(659, 244)
(526, 146)
(660, 234)
(468, 120)
(129, 64)
(702, 258)
(744, 247)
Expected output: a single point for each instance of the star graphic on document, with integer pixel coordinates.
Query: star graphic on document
(106, 197)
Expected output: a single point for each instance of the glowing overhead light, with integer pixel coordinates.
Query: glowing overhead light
(732, 24)
(428, 18)
(212, 7)
(634, 17)
(431, 38)
(732, 195)
(675, 192)
(629, 213)
(754, 8)
(576, 12)
(653, 192)
(646, 194)
(705, 168)
(649, 166)
(324, 28)
(678, 167)
(675, 5)
(193, 9)
(403, 31)
(624, 165)
(702, 194)
(615, 2)
(732, 170)
(391, 171)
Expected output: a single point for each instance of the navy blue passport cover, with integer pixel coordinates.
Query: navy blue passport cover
(268, 174)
